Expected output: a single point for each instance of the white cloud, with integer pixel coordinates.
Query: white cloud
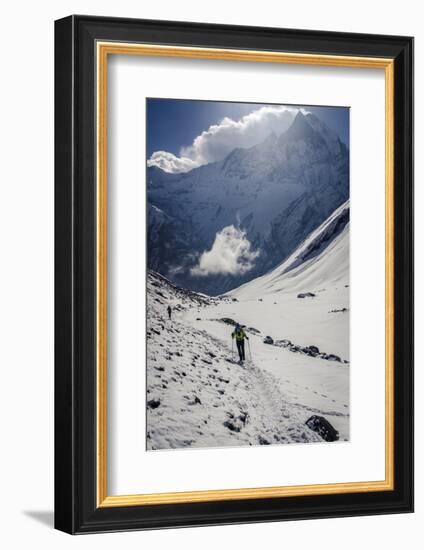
(170, 163)
(219, 140)
(231, 254)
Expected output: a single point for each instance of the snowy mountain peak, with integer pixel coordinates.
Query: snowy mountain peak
(300, 126)
(275, 192)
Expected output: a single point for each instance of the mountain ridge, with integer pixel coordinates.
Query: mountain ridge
(276, 192)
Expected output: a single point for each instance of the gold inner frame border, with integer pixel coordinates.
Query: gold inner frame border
(103, 50)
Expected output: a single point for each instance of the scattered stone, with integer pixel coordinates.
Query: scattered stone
(243, 417)
(231, 426)
(195, 401)
(153, 403)
(283, 343)
(311, 351)
(332, 357)
(306, 295)
(263, 441)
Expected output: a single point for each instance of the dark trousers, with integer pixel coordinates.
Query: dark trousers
(240, 349)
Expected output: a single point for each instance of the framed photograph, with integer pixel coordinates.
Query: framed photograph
(234, 287)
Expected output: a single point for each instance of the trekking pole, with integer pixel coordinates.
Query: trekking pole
(232, 349)
(250, 351)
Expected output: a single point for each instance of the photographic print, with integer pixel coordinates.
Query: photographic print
(248, 274)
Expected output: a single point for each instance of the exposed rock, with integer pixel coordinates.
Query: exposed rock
(283, 343)
(153, 403)
(243, 417)
(231, 426)
(332, 357)
(311, 351)
(306, 295)
(322, 426)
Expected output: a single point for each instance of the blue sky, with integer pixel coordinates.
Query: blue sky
(173, 125)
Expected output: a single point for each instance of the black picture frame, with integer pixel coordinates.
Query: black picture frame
(76, 508)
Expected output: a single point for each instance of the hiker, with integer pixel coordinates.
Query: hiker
(240, 335)
(169, 309)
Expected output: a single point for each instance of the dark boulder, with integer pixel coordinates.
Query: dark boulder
(322, 427)
(306, 295)
(268, 340)
(231, 426)
(332, 357)
(153, 403)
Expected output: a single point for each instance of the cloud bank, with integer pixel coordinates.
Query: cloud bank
(219, 140)
(170, 163)
(231, 254)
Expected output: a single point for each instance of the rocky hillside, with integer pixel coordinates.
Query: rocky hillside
(197, 395)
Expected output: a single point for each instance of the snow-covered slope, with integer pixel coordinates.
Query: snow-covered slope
(321, 259)
(277, 192)
(297, 319)
(197, 396)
